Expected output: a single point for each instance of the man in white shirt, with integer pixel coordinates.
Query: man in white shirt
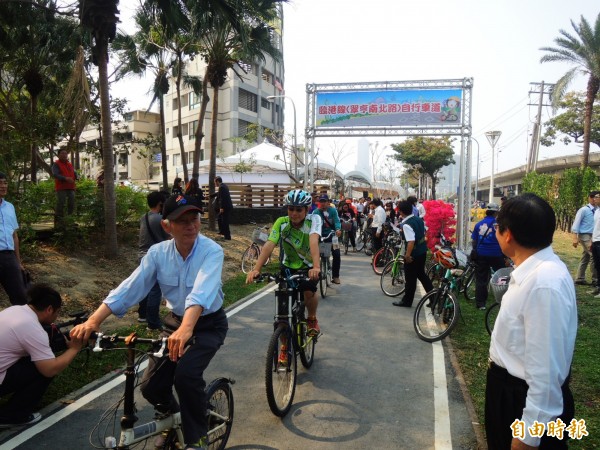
(534, 335)
(379, 218)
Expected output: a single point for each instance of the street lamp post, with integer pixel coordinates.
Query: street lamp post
(295, 147)
(492, 137)
(477, 175)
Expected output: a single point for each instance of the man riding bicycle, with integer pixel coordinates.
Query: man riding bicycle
(188, 269)
(298, 238)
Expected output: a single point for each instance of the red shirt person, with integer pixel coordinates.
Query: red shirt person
(64, 184)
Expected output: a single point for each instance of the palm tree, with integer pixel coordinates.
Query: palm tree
(100, 18)
(582, 51)
(225, 43)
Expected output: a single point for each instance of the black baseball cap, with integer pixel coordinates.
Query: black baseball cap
(324, 198)
(176, 205)
(3, 176)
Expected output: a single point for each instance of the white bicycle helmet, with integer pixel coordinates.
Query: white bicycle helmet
(298, 197)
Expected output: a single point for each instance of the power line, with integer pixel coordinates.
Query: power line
(486, 127)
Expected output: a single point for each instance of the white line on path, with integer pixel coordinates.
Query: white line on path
(443, 437)
(50, 420)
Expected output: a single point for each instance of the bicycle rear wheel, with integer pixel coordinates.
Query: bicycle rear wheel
(368, 248)
(392, 279)
(280, 376)
(220, 413)
(249, 258)
(380, 259)
(323, 283)
(436, 315)
(436, 274)
(490, 317)
(306, 344)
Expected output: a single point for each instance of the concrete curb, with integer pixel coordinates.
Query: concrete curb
(477, 427)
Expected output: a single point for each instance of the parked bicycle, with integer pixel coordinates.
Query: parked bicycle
(290, 338)
(498, 285)
(325, 249)
(347, 226)
(392, 245)
(251, 254)
(437, 312)
(167, 428)
(393, 279)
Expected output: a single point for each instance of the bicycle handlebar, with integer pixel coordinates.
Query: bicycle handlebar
(301, 276)
(106, 341)
(77, 318)
(328, 236)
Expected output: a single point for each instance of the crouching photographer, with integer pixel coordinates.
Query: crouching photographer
(27, 362)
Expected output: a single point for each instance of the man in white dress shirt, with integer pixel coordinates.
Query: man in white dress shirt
(534, 335)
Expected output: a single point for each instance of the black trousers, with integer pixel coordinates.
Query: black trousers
(11, 278)
(414, 271)
(336, 262)
(377, 241)
(482, 276)
(504, 402)
(187, 375)
(223, 219)
(27, 386)
(596, 256)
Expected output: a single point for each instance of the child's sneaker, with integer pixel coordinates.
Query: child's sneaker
(313, 327)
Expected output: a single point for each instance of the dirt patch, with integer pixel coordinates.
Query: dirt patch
(84, 277)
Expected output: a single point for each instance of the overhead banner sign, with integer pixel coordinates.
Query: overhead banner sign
(389, 108)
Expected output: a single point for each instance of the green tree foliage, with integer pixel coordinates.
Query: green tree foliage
(567, 127)
(565, 193)
(425, 155)
(582, 51)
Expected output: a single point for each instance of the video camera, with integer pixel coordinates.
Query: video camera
(58, 336)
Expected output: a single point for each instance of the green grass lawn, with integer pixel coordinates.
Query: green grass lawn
(471, 344)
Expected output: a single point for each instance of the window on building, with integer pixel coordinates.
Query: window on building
(247, 100)
(248, 67)
(201, 154)
(192, 130)
(167, 130)
(267, 76)
(243, 127)
(265, 103)
(128, 117)
(175, 103)
(176, 160)
(189, 157)
(194, 100)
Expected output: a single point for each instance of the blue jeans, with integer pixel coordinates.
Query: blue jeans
(149, 307)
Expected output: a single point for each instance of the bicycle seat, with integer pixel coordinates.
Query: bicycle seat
(457, 272)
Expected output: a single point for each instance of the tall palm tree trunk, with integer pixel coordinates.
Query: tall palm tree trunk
(200, 127)
(163, 143)
(110, 214)
(34, 151)
(212, 171)
(179, 124)
(592, 89)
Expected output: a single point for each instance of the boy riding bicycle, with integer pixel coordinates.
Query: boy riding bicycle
(298, 235)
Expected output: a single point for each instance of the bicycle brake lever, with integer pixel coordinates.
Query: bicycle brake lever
(97, 347)
(161, 351)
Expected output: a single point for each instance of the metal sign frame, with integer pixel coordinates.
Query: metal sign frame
(464, 131)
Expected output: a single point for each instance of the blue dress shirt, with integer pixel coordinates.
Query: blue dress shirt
(195, 281)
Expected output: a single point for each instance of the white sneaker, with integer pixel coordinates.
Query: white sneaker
(30, 420)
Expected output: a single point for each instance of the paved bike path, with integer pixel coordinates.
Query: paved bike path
(373, 384)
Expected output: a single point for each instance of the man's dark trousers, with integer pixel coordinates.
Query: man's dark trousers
(482, 276)
(27, 385)
(223, 220)
(11, 278)
(187, 375)
(414, 271)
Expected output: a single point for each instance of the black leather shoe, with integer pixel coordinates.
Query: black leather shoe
(406, 305)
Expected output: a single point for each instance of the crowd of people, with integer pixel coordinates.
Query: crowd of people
(184, 267)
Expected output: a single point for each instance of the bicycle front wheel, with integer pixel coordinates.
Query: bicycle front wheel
(249, 258)
(436, 315)
(383, 256)
(392, 279)
(470, 287)
(219, 413)
(436, 274)
(281, 371)
(306, 344)
(324, 275)
(360, 242)
(490, 317)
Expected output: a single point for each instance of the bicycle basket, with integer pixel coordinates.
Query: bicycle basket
(347, 226)
(462, 258)
(259, 236)
(325, 249)
(499, 282)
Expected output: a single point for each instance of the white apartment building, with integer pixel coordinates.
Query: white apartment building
(135, 161)
(241, 102)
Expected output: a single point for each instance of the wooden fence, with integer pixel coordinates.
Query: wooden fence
(261, 195)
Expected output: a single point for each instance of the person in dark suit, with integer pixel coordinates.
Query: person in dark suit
(225, 207)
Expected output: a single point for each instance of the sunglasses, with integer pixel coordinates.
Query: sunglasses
(295, 209)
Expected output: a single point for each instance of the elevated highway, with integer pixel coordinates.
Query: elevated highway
(510, 182)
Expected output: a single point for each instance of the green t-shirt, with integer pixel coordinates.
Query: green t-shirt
(295, 241)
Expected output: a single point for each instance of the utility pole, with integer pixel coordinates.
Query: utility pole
(534, 149)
